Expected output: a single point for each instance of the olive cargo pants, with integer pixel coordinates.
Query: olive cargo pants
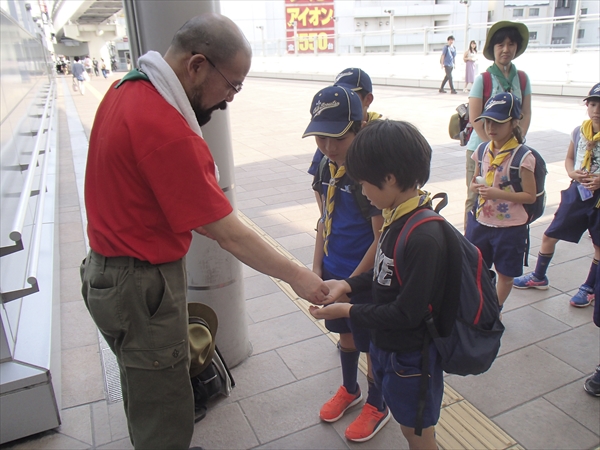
(141, 311)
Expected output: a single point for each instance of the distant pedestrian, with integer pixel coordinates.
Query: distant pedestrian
(103, 67)
(95, 65)
(87, 63)
(470, 58)
(447, 62)
(78, 72)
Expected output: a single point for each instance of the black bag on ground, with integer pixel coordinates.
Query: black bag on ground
(209, 373)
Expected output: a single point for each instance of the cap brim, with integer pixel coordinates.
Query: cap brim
(327, 129)
(596, 97)
(493, 117)
(349, 86)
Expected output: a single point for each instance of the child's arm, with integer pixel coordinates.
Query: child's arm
(525, 197)
(474, 186)
(577, 175)
(319, 251)
(368, 259)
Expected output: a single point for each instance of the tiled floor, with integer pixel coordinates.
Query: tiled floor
(533, 391)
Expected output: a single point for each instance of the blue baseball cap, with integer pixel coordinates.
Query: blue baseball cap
(354, 79)
(333, 110)
(501, 108)
(594, 93)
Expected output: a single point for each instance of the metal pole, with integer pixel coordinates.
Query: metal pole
(336, 38)
(575, 26)
(425, 39)
(392, 32)
(295, 38)
(362, 43)
(316, 45)
(467, 24)
(214, 276)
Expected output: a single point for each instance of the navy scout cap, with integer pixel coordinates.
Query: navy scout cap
(354, 79)
(333, 110)
(594, 93)
(501, 108)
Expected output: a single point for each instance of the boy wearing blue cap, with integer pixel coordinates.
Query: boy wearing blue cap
(357, 80)
(498, 224)
(579, 206)
(345, 246)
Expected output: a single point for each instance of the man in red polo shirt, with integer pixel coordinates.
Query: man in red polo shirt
(151, 180)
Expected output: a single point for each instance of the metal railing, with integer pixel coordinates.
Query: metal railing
(395, 41)
(27, 193)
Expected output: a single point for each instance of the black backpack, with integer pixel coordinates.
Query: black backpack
(470, 328)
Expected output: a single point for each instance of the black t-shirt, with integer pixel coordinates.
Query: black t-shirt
(396, 316)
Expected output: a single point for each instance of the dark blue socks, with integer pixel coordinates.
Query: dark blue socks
(349, 359)
(542, 265)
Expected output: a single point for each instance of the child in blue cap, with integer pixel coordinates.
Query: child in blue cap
(579, 206)
(498, 224)
(345, 245)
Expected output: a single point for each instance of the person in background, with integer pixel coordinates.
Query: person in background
(505, 42)
(470, 59)
(447, 62)
(578, 209)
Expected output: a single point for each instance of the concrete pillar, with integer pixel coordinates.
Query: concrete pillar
(214, 275)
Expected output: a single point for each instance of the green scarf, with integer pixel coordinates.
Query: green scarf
(506, 83)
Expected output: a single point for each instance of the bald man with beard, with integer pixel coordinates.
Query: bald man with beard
(150, 181)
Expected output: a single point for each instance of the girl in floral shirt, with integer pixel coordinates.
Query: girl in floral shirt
(498, 224)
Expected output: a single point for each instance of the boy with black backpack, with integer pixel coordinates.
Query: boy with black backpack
(345, 245)
(578, 210)
(391, 161)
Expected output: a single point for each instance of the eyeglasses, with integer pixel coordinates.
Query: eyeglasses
(236, 87)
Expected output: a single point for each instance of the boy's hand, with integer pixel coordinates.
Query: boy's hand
(579, 175)
(335, 311)
(337, 292)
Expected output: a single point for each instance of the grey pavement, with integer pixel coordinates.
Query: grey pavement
(534, 390)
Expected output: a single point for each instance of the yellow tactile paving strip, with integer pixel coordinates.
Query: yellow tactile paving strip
(461, 425)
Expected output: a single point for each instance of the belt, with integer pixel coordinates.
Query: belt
(118, 261)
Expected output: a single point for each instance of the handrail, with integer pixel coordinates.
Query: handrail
(34, 249)
(17, 228)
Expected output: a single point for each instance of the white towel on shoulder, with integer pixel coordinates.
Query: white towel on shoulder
(168, 85)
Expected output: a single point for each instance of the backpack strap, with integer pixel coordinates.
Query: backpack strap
(133, 75)
(514, 172)
(522, 82)
(419, 217)
(487, 87)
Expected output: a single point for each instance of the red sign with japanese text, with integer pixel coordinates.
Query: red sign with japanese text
(313, 23)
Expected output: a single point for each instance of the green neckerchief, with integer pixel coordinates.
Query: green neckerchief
(505, 83)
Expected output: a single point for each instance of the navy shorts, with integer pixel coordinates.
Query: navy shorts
(361, 336)
(574, 216)
(503, 247)
(398, 375)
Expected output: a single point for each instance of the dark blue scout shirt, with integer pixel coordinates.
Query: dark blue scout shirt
(351, 234)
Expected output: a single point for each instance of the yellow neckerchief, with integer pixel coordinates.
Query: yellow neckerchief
(373, 116)
(391, 215)
(587, 130)
(495, 162)
(336, 174)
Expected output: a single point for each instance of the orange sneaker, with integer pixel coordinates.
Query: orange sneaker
(367, 424)
(337, 405)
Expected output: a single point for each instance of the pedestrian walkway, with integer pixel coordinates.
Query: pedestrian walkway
(533, 395)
